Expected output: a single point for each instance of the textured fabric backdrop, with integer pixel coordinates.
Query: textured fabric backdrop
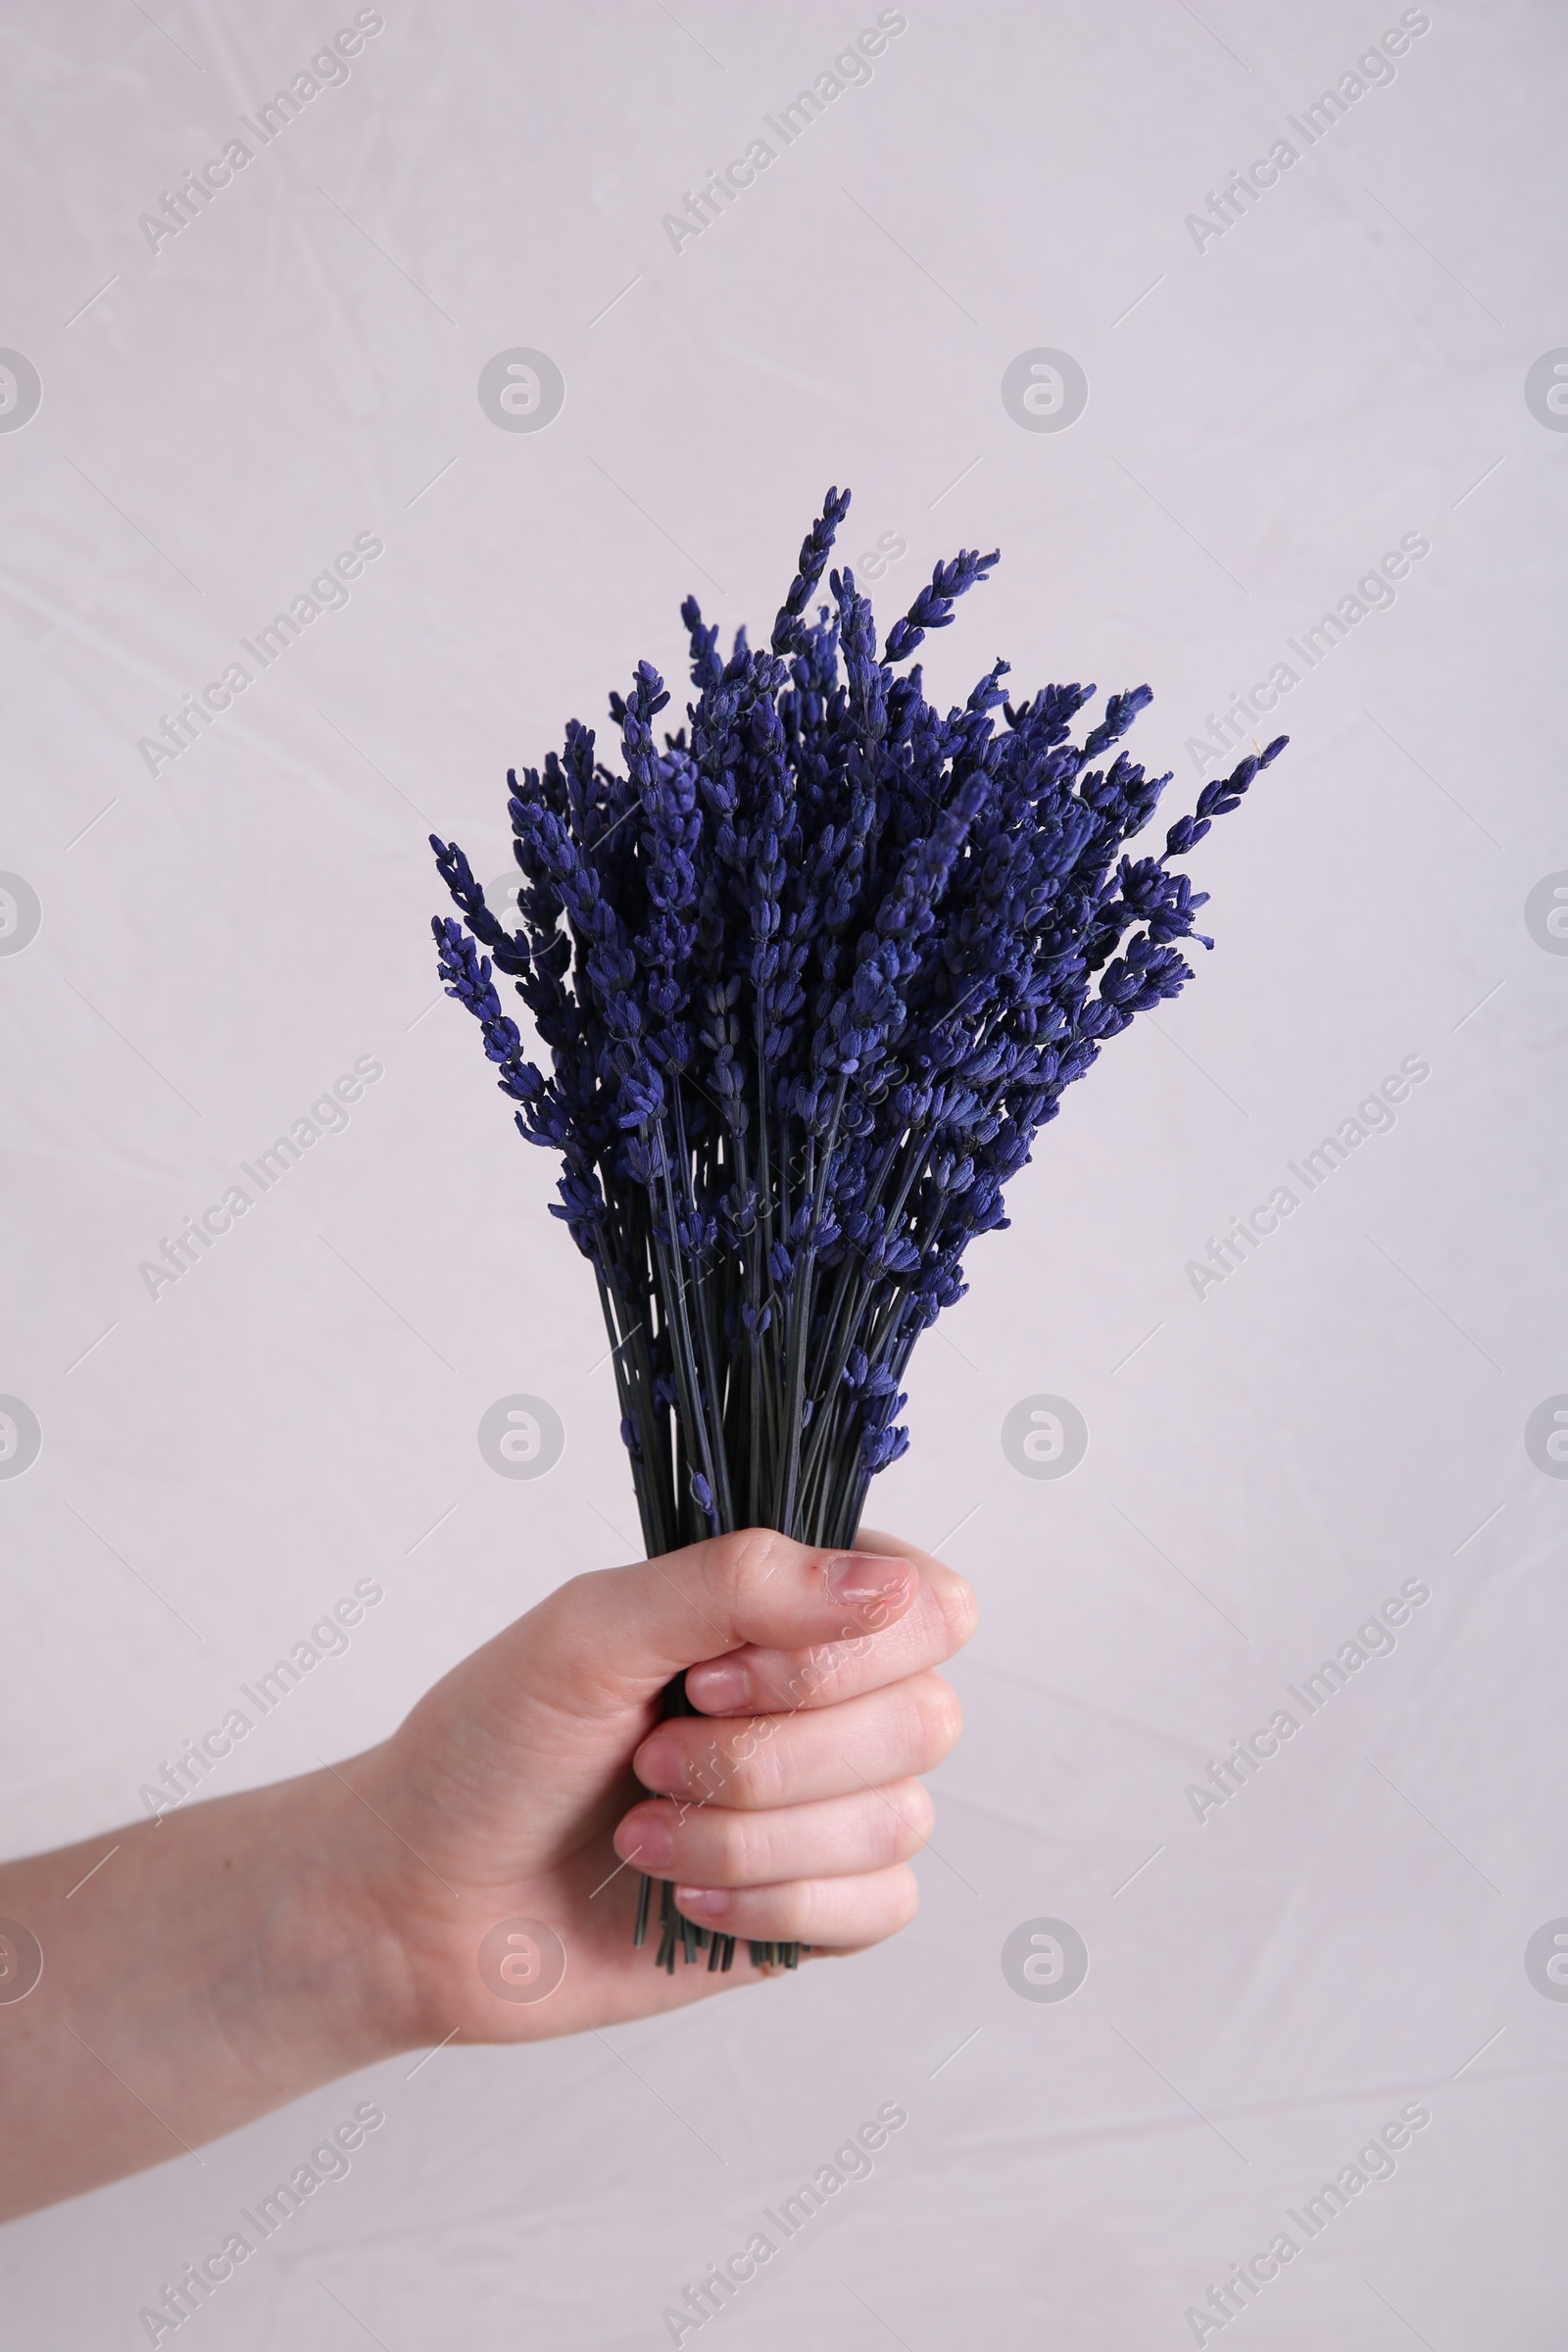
(1347, 355)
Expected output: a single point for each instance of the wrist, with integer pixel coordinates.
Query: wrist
(348, 1907)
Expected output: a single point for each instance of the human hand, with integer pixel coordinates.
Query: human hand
(242, 1951)
(786, 1808)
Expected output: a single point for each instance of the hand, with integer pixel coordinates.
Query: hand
(786, 1808)
(238, 1953)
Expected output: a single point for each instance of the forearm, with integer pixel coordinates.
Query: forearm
(461, 1878)
(224, 1960)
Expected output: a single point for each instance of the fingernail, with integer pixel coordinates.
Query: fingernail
(648, 1839)
(710, 1901)
(864, 1580)
(718, 1685)
(661, 1765)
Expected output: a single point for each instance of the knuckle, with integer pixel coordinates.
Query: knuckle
(791, 1912)
(556, 1625)
(746, 1560)
(753, 1777)
(940, 1717)
(803, 1687)
(916, 1816)
(709, 1769)
(789, 1679)
(814, 1673)
(727, 1844)
(767, 1852)
(885, 1907)
(960, 1605)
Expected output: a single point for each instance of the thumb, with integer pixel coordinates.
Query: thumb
(612, 1639)
(526, 1743)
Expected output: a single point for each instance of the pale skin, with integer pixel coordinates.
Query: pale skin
(239, 1954)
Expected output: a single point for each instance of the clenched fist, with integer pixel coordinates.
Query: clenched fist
(475, 1875)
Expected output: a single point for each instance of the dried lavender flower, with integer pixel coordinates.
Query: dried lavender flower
(812, 972)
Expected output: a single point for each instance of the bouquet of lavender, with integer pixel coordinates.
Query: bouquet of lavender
(812, 974)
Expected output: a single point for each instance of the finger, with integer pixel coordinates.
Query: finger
(759, 1681)
(772, 1760)
(552, 1705)
(614, 1638)
(840, 1838)
(842, 1914)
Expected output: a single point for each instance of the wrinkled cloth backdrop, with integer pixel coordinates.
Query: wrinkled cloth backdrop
(446, 371)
